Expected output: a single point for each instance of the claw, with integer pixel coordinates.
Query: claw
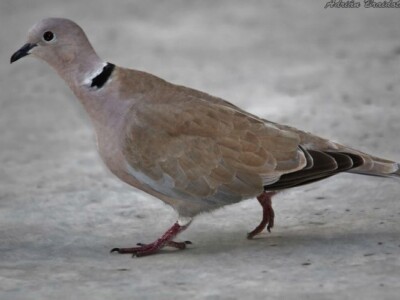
(164, 241)
(268, 215)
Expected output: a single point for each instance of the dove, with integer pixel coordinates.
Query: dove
(193, 151)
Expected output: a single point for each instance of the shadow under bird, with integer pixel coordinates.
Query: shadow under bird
(194, 151)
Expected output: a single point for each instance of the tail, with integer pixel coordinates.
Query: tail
(323, 164)
(376, 166)
(362, 163)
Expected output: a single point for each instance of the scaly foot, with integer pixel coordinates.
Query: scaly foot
(164, 241)
(268, 214)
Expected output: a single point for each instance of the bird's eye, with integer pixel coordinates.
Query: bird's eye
(48, 36)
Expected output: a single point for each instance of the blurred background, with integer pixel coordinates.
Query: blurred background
(333, 72)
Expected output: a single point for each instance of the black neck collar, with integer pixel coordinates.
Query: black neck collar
(100, 80)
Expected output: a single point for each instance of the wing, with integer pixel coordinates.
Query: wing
(187, 144)
(196, 149)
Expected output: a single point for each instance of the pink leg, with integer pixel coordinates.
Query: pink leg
(268, 214)
(164, 241)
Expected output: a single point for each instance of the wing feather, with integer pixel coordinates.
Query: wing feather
(207, 150)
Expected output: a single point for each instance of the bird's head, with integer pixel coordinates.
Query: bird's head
(62, 44)
(54, 40)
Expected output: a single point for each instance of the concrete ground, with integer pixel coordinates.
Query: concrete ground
(334, 72)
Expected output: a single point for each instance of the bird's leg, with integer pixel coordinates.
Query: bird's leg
(268, 214)
(165, 241)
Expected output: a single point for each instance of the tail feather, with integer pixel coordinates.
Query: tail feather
(376, 166)
(321, 165)
(363, 163)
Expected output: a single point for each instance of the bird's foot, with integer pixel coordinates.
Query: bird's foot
(147, 249)
(164, 241)
(268, 214)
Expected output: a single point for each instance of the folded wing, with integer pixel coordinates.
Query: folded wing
(196, 149)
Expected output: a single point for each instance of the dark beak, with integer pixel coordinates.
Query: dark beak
(24, 51)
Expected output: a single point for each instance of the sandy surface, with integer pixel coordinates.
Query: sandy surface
(334, 72)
